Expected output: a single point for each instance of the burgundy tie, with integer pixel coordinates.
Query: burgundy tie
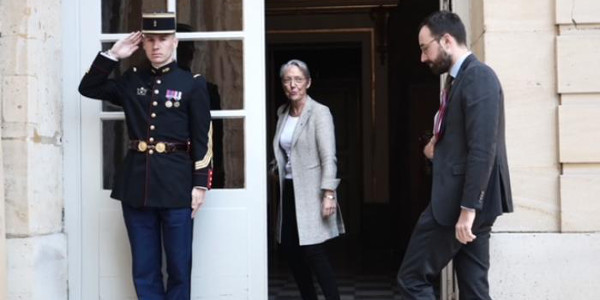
(438, 129)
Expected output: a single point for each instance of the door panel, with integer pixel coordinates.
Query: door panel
(229, 260)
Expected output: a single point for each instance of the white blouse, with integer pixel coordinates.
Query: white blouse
(285, 142)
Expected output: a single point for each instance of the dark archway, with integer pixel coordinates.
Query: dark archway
(378, 230)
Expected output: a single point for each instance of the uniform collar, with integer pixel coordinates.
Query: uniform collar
(164, 69)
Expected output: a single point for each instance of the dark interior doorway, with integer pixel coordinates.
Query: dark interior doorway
(377, 231)
(336, 82)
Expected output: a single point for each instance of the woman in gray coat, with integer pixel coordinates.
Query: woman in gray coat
(308, 214)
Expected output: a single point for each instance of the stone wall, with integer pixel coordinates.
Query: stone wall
(30, 84)
(578, 68)
(518, 40)
(545, 53)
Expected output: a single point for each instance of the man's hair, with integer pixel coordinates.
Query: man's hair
(442, 22)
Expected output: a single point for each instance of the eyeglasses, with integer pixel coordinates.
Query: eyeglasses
(425, 46)
(296, 80)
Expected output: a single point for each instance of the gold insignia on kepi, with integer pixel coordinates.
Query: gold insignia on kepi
(159, 23)
(160, 147)
(142, 146)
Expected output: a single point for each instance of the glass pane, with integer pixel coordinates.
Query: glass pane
(203, 15)
(122, 16)
(220, 62)
(210, 15)
(228, 150)
(115, 139)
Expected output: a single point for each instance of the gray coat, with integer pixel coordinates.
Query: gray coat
(314, 169)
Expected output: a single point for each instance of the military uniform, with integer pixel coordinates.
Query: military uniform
(167, 111)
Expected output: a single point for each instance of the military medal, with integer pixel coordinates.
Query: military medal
(173, 95)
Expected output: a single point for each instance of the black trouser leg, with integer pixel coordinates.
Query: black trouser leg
(430, 249)
(301, 272)
(290, 245)
(316, 257)
(305, 260)
(472, 263)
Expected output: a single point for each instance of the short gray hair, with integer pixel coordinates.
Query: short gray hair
(297, 63)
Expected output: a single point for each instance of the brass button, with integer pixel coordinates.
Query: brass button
(155, 103)
(158, 81)
(150, 151)
(156, 92)
(142, 146)
(153, 115)
(160, 147)
(152, 127)
(151, 140)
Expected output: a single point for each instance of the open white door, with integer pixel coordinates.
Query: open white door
(226, 41)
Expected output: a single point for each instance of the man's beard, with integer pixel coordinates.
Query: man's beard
(442, 64)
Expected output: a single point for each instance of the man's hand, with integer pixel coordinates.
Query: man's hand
(329, 204)
(464, 225)
(198, 195)
(429, 148)
(124, 47)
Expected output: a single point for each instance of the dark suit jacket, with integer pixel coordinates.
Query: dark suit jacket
(470, 165)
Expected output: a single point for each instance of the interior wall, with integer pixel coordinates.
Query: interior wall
(413, 103)
(365, 213)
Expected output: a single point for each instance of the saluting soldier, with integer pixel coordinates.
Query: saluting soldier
(166, 173)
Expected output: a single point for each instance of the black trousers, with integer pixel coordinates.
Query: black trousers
(305, 260)
(432, 246)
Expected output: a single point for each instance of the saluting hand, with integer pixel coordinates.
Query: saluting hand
(198, 195)
(124, 47)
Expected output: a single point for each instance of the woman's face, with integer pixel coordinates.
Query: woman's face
(295, 84)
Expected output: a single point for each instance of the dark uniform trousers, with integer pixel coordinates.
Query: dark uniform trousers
(167, 111)
(148, 229)
(431, 248)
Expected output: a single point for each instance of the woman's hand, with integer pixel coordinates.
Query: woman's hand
(329, 204)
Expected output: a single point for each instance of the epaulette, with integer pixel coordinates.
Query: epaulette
(197, 75)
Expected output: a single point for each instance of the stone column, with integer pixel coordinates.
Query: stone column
(30, 83)
(3, 256)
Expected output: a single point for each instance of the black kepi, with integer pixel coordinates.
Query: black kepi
(159, 23)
